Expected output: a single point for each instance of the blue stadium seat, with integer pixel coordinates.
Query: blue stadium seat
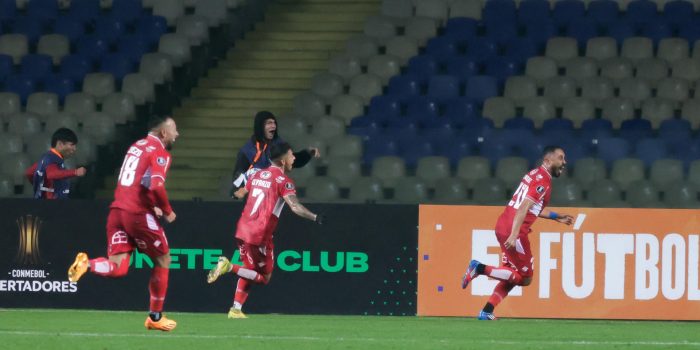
(521, 49)
(676, 134)
(92, 47)
(443, 87)
(656, 30)
(649, 150)
(21, 85)
(603, 11)
(595, 128)
(387, 105)
(456, 148)
(404, 85)
(84, 11)
(151, 27)
(519, 122)
(133, 46)
(422, 108)
(582, 29)
(641, 11)
(481, 87)
(75, 67)
(503, 67)
(533, 11)
(42, 10)
(635, 129)
(621, 30)
(540, 32)
(6, 67)
(689, 31)
(501, 32)
(412, 149)
(31, 28)
(441, 48)
(499, 11)
(36, 66)
(377, 147)
(574, 150)
(482, 49)
(557, 124)
(565, 11)
(556, 136)
(8, 9)
(461, 108)
(463, 67)
(109, 29)
(461, 28)
(69, 28)
(612, 148)
(60, 85)
(126, 10)
(423, 66)
(476, 124)
(678, 11)
(116, 64)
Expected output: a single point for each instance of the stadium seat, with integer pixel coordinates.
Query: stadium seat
(541, 69)
(9, 104)
(346, 146)
(691, 112)
(366, 86)
(20, 85)
(520, 89)
(566, 192)
(344, 170)
(410, 190)
(637, 48)
(139, 86)
(176, 46)
(643, 194)
(384, 67)
(465, 8)
(366, 189)
(401, 9)
(42, 104)
(388, 169)
(214, 11)
(565, 11)
(421, 29)
(498, 109)
(98, 85)
(346, 107)
(380, 28)
(328, 128)
(665, 172)
(346, 66)
(24, 124)
(681, 195)
(157, 66)
(193, 27)
(673, 49)
(11, 143)
(589, 170)
(120, 107)
(673, 89)
(433, 170)
(539, 109)
(171, 10)
(636, 90)
(489, 191)
(577, 110)
(14, 165)
(581, 68)
(561, 49)
(597, 89)
(309, 105)
(687, 69)
(625, 171)
(657, 109)
(79, 103)
(434, 9)
(59, 120)
(510, 170)
(649, 150)
(326, 85)
(651, 69)
(303, 175)
(36, 66)
(54, 45)
(617, 68)
(605, 193)
(450, 191)
(362, 47)
(601, 48)
(99, 127)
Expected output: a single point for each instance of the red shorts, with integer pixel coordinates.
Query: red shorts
(127, 231)
(260, 258)
(519, 257)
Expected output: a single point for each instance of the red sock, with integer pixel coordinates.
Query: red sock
(500, 292)
(242, 289)
(503, 273)
(106, 268)
(158, 286)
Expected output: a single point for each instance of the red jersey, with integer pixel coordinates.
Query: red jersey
(266, 191)
(535, 185)
(140, 185)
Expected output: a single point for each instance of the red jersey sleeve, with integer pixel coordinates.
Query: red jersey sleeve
(160, 162)
(286, 187)
(537, 191)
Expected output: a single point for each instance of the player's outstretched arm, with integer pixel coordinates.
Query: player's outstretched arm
(298, 208)
(562, 218)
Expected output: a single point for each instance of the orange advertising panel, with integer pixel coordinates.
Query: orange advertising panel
(611, 264)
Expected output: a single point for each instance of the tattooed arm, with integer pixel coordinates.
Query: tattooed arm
(298, 208)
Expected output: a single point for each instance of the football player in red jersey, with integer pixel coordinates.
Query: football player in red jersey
(139, 199)
(269, 189)
(513, 226)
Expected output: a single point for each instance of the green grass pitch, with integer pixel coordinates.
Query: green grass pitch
(73, 329)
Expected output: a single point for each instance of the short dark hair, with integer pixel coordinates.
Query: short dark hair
(278, 150)
(550, 149)
(155, 121)
(63, 135)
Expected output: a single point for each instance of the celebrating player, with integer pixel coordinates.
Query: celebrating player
(139, 198)
(269, 189)
(512, 229)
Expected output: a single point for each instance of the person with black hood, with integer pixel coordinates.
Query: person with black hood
(255, 154)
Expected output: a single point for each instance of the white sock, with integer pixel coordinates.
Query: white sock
(237, 305)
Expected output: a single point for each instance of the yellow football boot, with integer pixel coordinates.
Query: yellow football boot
(164, 324)
(78, 268)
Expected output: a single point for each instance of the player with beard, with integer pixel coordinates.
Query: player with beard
(512, 229)
(139, 199)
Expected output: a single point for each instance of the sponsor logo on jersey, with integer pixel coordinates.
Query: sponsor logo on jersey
(280, 179)
(538, 177)
(265, 175)
(540, 189)
(142, 142)
(150, 149)
(161, 161)
(135, 151)
(289, 186)
(261, 183)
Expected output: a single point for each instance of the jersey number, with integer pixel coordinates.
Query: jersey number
(519, 196)
(128, 171)
(258, 194)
